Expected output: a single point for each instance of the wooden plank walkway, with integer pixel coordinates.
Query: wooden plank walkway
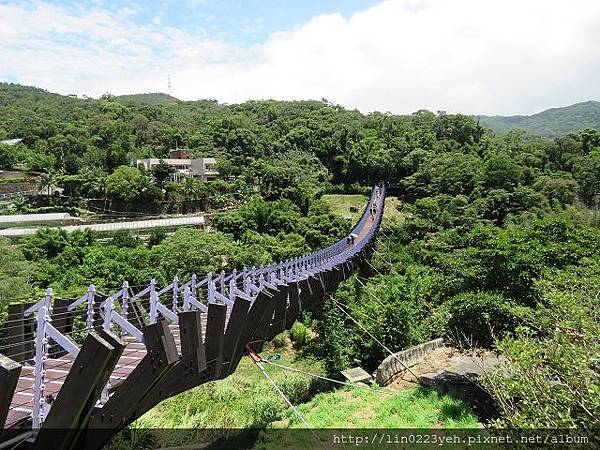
(57, 370)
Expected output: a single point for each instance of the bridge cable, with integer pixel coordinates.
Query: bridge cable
(383, 255)
(344, 383)
(337, 304)
(373, 267)
(257, 361)
(372, 295)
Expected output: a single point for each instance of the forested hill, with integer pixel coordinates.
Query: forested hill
(297, 149)
(551, 122)
(154, 98)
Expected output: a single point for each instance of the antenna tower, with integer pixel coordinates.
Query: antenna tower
(169, 90)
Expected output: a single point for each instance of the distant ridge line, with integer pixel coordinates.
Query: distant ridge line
(551, 122)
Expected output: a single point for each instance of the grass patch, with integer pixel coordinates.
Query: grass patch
(340, 205)
(13, 180)
(361, 408)
(244, 411)
(391, 211)
(243, 400)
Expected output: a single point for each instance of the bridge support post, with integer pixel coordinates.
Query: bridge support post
(153, 302)
(19, 334)
(233, 332)
(214, 337)
(253, 321)
(192, 347)
(9, 377)
(38, 413)
(79, 393)
(293, 310)
(122, 405)
(89, 314)
(175, 298)
(279, 313)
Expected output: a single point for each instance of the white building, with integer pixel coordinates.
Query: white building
(202, 168)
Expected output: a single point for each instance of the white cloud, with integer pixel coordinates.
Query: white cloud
(473, 56)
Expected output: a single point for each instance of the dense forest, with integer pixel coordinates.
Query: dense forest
(552, 122)
(496, 243)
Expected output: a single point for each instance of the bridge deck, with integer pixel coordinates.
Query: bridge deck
(57, 370)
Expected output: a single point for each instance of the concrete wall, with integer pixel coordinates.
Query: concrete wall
(391, 367)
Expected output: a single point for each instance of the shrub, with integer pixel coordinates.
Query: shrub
(124, 239)
(299, 333)
(479, 317)
(157, 235)
(552, 376)
(295, 386)
(281, 340)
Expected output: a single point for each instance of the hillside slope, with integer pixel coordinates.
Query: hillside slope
(153, 98)
(551, 122)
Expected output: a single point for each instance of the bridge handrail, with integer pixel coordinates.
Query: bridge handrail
(253, 281)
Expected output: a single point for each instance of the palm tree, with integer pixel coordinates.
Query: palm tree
(189, 188)
(97, 187)
(20, 204)
(48, 182)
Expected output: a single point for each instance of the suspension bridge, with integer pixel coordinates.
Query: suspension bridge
(75, 372)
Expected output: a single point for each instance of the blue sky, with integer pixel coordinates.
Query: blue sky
(470, 56)
(243, 22)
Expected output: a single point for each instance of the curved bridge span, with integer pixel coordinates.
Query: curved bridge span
(139, 348)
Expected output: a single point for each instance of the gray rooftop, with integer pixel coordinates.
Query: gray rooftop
(114, 226)
(34, 218)
(11, 141)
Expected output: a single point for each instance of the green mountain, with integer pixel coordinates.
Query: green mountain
(551, 122)
(153, 98)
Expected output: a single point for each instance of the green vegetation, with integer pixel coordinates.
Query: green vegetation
(488, 240)
(341, 205)
(155, 98)
(551, 122)
(236, 409)
(528, 290)
(361, 408)
(13, 180)
(554, 379)
(15, 273)
(244, 400)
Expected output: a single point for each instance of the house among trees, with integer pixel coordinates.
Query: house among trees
(182, 164)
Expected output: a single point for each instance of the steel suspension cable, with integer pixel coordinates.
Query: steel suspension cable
(373, 267)
(257, 361)
(375, 339)
(370, 293)
(344, 383)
